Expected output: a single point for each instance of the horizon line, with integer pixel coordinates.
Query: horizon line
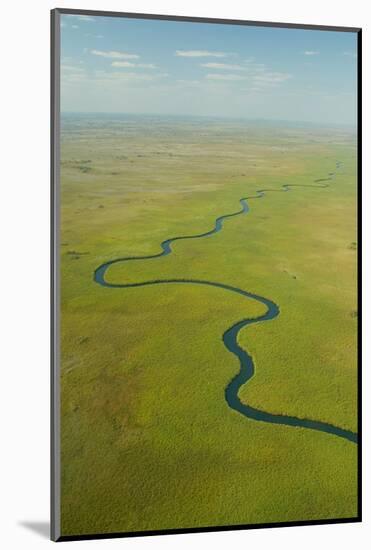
(226, 117)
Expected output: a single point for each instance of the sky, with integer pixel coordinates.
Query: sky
(141, 66)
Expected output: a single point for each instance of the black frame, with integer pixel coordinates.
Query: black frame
(54, 285)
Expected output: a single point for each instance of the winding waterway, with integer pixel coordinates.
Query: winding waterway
(230, 336)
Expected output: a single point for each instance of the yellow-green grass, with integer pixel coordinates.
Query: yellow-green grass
(148, 440)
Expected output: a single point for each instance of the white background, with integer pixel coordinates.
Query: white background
(24, 313)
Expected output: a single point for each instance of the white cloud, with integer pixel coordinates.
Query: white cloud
(224, 66)
(230, 77)
(86, 18)
(311, 52)
(117, 76)
(258, 67)
(248, 65)
(78, 76)
(72, 69)
(350, 54)
(71, 74)
(74, 26)
(114, 54)
(258, 79)
(81, 17)
(137, 65)
(271, 78)
(199, 53)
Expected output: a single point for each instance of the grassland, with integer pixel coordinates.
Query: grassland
(148, 440)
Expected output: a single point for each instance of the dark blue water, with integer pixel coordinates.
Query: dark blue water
(230, 337)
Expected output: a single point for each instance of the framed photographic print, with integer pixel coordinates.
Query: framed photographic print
(205, 304)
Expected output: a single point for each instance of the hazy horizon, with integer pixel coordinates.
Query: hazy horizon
(236, 119)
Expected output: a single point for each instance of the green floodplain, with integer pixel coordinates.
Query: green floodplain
(148, 440)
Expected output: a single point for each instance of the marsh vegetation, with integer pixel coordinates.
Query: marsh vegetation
(148, 439)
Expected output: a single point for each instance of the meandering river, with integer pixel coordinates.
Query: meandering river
(230, 336)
